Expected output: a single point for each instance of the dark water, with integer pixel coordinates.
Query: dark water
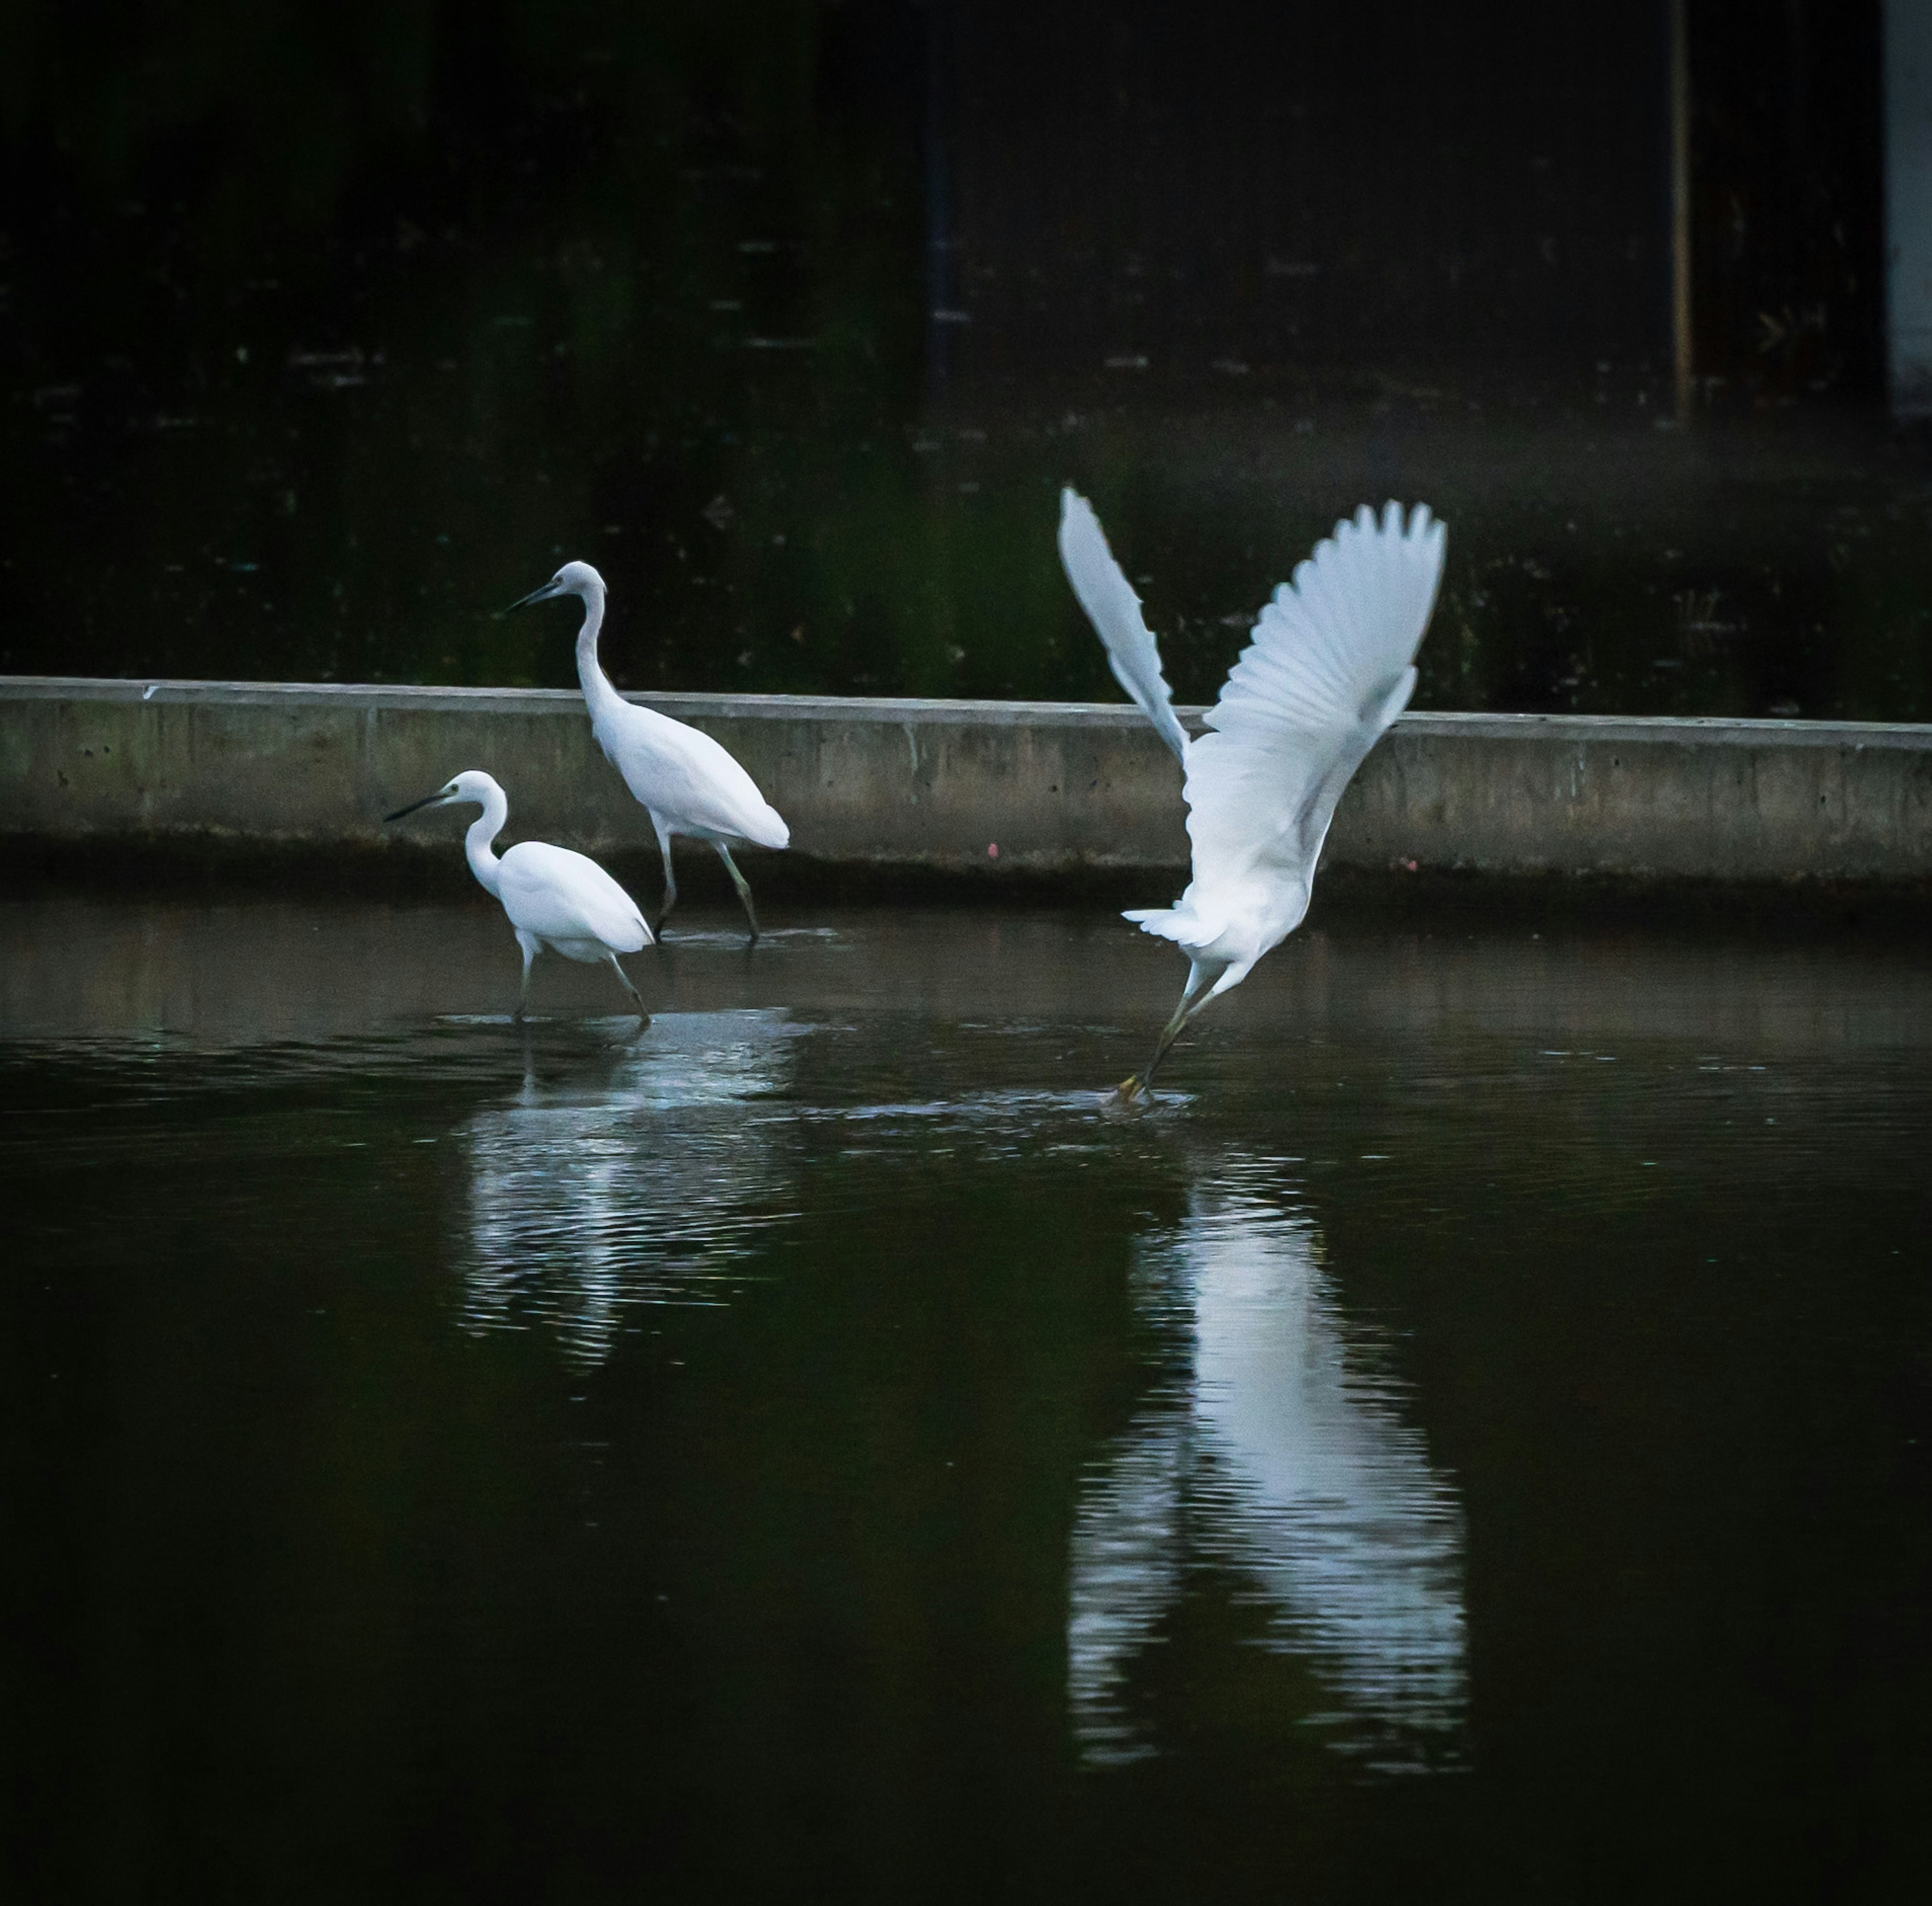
(322, 340)
(1473, 1440)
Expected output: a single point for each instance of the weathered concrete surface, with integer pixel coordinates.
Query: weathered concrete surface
(1055, 787)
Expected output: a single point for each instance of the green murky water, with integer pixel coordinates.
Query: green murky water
(1474, 1439)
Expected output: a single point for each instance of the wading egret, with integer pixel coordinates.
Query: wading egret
(554, 897)
(1331, 665)
(689, 785)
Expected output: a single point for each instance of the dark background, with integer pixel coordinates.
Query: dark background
(325, 331)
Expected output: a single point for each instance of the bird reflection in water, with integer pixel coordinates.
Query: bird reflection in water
(635, 1179)
(1277, 1452)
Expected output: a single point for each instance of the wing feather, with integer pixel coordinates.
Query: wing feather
(560, 895)
(686, 775)
(1114, 611)
(1331, 665)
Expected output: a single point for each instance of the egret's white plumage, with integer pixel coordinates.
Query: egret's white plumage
(1277, 1450)
(1114, 610)
(688, 783)
(1331, 664)
(554, 897)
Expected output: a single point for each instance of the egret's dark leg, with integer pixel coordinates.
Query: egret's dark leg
(1193, 997)
(624, 980)
(743, 886)
(530, 948)
(670, 878)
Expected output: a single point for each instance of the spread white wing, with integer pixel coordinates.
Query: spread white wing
(1331, 665)
(1114, 611)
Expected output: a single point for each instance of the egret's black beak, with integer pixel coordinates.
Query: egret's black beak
(428, 800)
(543, 595)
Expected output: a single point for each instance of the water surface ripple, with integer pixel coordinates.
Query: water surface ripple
(1469, 1440)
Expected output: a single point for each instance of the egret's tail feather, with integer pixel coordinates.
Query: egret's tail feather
(771, 830)
(1184, 927)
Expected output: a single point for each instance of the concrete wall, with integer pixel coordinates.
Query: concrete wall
(1055, 787)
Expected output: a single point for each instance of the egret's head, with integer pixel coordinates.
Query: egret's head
(472, 785)
(573, 579)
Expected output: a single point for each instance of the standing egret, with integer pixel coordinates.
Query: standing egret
(688, 783)
(554, 897)
(1332, 664)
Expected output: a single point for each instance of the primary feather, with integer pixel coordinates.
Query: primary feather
(1331, 664)
(1114, 611)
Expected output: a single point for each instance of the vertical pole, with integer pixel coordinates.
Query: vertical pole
(1907, 56)
(940, 240)
(1682, 340)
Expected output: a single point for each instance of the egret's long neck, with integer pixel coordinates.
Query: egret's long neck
(484, 830)
(598, 691)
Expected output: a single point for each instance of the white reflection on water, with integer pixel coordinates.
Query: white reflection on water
(638, 1181)
(1279, 1453)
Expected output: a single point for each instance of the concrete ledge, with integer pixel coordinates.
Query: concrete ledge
(1056, 787)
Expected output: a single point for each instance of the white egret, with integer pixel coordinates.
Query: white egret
(688, 783)
(1331, 664)
(555, 898)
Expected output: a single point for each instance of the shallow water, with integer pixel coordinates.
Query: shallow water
(1470, 1440)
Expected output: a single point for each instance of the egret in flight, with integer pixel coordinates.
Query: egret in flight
(554, 897)
(688, 783)
(1332, 664)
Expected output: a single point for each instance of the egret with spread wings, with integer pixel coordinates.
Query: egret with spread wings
(1331, 664)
